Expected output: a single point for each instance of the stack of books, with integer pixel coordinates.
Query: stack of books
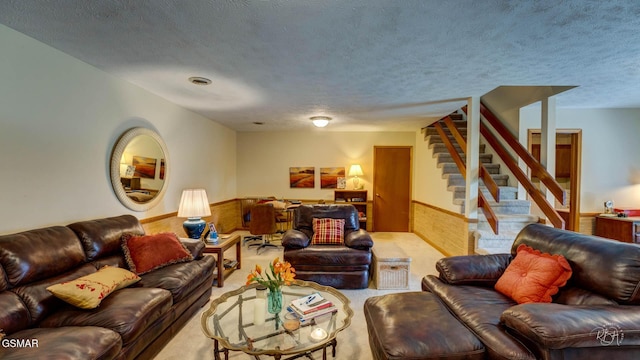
(311, 306)
(228, 263)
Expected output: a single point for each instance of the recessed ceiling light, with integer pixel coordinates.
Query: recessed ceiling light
(320, 121)
(198, 80)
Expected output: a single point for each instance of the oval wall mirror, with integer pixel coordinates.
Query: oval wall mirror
(139, 169)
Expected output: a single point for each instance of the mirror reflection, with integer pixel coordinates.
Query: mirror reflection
(139, 168)
(142, 168)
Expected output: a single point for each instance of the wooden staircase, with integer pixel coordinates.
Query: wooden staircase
(513, 214)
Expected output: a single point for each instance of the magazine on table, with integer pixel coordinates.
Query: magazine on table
(312, 315)
(310, 303)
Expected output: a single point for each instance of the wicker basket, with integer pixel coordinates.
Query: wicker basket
(391, 267)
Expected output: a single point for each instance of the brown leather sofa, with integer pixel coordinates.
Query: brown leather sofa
(133, 322)
(594, 316)
(344, 266)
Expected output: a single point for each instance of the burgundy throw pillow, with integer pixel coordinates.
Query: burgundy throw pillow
(150, 252)
(328, 231)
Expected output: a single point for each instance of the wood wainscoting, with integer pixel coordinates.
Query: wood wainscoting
(225, 215)
(450, 233)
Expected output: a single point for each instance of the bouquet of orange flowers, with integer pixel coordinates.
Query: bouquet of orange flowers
(281, 273)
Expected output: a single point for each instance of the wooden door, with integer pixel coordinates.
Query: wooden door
(391, 188)
(568, 166)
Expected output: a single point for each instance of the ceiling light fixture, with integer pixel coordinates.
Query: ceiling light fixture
(320, 121)
(198, 80)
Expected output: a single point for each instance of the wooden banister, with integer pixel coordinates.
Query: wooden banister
(454, 131)
(535, 194)
(491, 185)
(452, 150)
(492, 219)
(536, 168)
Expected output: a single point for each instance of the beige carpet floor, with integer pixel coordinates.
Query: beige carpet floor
(353, 343)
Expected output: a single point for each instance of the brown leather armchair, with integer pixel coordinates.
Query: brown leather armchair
(344, 266)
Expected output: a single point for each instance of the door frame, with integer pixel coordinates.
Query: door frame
(575, 172)
(374, 196)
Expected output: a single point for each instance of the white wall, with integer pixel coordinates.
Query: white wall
(59, 121)
(264, 159)
(610, 153)
(429, 187)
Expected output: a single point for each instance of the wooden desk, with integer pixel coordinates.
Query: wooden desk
(619, 228)
(218, 250)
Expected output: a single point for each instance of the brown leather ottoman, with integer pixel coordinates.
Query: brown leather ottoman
(416, 325)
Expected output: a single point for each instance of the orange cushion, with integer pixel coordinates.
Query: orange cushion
(328, 231)
(533, 276)
(150, 252)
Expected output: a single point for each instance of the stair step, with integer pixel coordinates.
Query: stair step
(507, 223)
(508, 228)
(506, 193)
(451, 168)
(436, 139)
(457, 119)
(501, 245)
(432, 132)
(510, 207)
(504, 207)
(446, 158)
(442, 148)
(457, 179)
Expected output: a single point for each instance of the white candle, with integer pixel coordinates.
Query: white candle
(318, 334)
(259, 311)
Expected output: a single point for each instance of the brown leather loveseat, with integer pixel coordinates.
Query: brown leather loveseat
(343, 266)
(594, 316)
(132, 322)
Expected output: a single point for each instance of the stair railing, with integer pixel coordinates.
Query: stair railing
(537, 169)
(491, 185)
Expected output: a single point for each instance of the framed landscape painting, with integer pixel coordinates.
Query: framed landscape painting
(162, 168)
(302, 177)
(145, 167)
(329, 177)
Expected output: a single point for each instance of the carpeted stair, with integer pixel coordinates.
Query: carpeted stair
(513, 214)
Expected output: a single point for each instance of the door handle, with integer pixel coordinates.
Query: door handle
(377, 195)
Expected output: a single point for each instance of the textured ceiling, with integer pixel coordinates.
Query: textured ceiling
(370, 64)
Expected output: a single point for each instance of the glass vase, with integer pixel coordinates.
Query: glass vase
(274, 304)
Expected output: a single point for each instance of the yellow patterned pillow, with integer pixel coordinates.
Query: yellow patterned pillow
(88, 291)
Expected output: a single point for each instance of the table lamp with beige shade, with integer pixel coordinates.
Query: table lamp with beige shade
(355, 171)
(194, 204)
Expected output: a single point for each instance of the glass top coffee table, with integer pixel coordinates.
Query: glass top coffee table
(229, 321)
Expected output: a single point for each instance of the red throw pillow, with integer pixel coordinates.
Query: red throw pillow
(533, 276)
(150, 252)
(328, 231)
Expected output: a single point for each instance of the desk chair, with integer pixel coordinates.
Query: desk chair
(263, 224)
(282, 221)
(246, 207)
(280, 207)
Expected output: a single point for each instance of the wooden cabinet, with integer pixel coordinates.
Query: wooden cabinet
(132, 183)
(357, 198)
(625, 229)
